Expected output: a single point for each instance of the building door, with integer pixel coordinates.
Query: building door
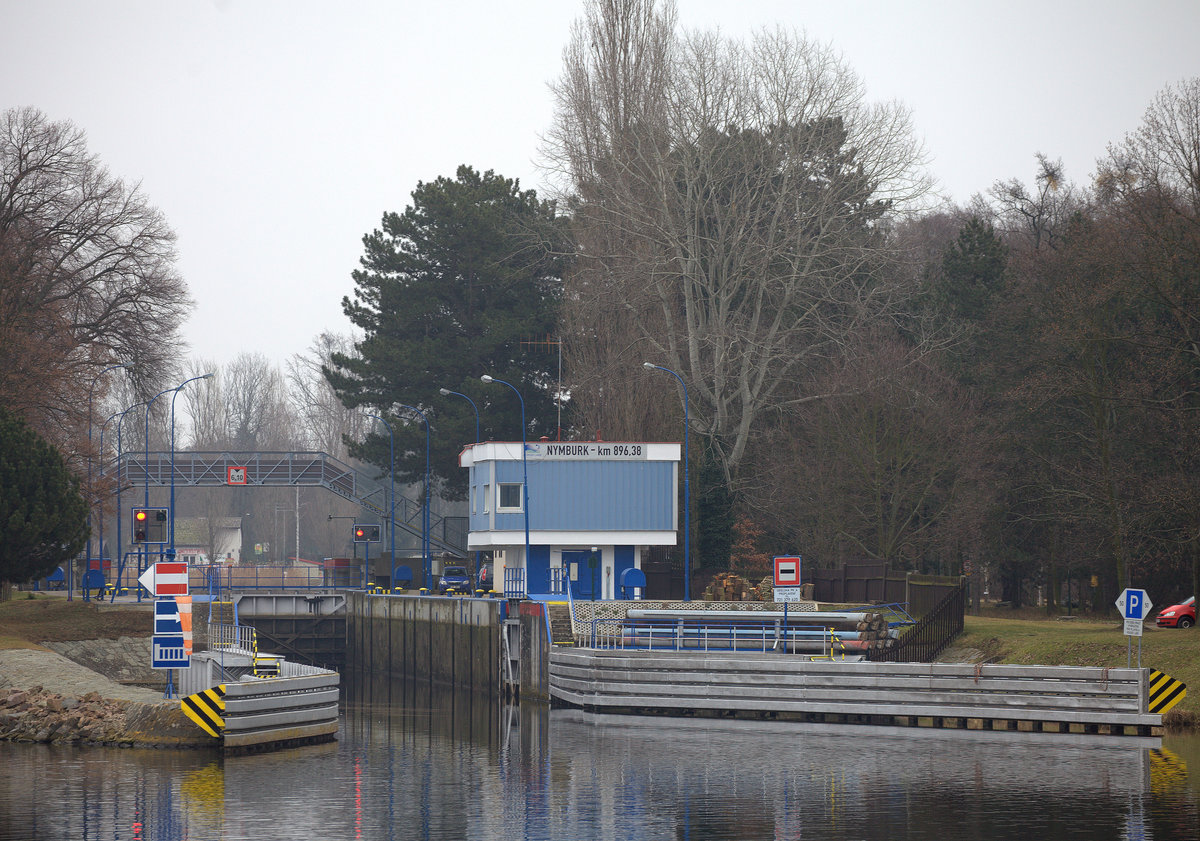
(589, 580)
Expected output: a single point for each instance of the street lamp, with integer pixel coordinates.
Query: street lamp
(100, 548)
(120, 547)
(145, 552)
(445, 392)
(391, 494)
(173, 396)
(687, 499)
(91, 493)
(524, 466)
(426, 560)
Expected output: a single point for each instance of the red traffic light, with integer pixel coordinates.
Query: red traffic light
(360, 533)
(140, 515)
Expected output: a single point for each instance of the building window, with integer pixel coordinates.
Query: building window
(487, 498)
(509, 497)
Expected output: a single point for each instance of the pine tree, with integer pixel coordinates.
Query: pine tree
(43, 518)
(451, 289)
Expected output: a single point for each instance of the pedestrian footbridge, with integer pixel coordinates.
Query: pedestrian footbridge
(295, 469)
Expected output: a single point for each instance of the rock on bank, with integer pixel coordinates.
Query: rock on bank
(44, 697)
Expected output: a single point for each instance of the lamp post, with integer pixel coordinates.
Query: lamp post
(100, 548)
(91, 494)
(146, 464)
(146, 468)
(427, 562)
(524, 466)
(391, 495)
(687, 499)
(445, 392)
(171, 553)
(120, 546)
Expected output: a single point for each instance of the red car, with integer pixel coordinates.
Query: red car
(1182, 615)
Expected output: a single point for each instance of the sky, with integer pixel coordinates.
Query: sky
(274, 134)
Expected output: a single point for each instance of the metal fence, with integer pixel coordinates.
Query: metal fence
(624, 634)
(925, 640)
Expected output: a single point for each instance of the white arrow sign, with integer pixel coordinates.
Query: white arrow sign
(166, 578)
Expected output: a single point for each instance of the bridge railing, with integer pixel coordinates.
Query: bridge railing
(223, 578)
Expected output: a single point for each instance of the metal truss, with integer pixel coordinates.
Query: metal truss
(283, 470)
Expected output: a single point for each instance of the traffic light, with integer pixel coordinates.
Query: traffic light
(366, 533)
(150, 525)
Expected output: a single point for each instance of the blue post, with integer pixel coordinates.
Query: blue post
(104, 426)
(90, 492)
(445, 392)
(524, 469)
(687, 499)
(391, 493)
(171, 554)
(427, 560)
(120, 513)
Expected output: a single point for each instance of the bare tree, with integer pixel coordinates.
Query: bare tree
(87, 277)
(1039, 215)
(257, 414)
(732, 201)
(205, 407)
(322, 416)
(876, 471)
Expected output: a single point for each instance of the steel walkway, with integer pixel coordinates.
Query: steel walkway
(303, 469)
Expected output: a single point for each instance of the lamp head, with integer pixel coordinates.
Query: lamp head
(487, 378)
(649, 366)
(445, 392)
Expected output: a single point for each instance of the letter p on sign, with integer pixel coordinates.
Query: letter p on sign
(787, 571)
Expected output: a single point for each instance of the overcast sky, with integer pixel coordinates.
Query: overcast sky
(274, 135)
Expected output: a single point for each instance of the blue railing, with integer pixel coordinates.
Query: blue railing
(514, 582)
(691, 635)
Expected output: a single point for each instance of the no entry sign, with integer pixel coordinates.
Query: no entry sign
(787, 571)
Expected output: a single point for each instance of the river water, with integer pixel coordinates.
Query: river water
(413, 763)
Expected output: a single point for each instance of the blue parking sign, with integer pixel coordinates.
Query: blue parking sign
(1134, 601)
(1134, 604)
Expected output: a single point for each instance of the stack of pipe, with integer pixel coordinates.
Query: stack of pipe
(801, 631)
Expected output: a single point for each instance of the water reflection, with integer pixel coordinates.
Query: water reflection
(414, 762)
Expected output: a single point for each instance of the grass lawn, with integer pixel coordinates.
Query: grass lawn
(1087, 641)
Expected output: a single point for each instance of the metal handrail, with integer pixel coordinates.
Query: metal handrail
(239, 638)
(682, 635)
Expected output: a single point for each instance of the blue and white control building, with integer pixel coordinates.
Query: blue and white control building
(593, 506)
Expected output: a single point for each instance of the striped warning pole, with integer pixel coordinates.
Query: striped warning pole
(184, 603)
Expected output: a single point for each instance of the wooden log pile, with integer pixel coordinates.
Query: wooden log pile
(729, 587)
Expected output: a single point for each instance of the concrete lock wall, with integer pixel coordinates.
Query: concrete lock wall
(535, 652)
(454, 642)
